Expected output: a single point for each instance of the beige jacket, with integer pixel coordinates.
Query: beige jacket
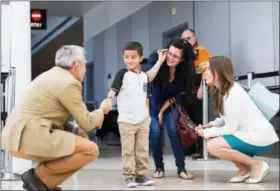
(37, 123)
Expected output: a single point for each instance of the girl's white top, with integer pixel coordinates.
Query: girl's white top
(242, 119)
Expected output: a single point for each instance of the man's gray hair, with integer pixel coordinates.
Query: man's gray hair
(68, 54)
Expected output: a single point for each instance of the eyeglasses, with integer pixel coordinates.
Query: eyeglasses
(188, 38)
(173, 55)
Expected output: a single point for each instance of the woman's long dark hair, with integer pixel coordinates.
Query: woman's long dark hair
(185, 70)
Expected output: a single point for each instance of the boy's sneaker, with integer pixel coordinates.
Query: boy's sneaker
(130, 182)
(144, 181)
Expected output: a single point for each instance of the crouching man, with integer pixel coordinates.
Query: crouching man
(37, 128)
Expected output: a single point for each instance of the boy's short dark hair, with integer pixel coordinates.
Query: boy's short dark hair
(144, 61)
(134, 45)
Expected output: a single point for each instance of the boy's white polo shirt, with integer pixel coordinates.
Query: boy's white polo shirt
(132, 91)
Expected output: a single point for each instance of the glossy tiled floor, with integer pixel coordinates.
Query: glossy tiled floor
(105, 174)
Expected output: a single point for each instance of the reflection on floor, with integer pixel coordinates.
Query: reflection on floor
(105, 174)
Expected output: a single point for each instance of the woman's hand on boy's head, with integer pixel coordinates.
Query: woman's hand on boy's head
(162, 55)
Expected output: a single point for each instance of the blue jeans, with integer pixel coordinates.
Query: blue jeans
(156, 137)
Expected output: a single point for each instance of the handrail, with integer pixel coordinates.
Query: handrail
(258, 75)
(277, 87)
(251, 75)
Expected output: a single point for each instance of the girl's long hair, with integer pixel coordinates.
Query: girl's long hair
(222, 71)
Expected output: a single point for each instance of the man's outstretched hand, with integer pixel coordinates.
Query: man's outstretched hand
(105, 106)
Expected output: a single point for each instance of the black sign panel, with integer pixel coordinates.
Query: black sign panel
(38, 18)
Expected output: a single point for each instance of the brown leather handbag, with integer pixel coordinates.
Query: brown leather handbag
(185, 126)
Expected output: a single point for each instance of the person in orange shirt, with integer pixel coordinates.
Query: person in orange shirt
(194, 106)
(202, 54)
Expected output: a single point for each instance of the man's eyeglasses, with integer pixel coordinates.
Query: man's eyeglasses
(188, 38)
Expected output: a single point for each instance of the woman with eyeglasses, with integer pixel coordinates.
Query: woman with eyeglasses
(242, 131)
(173, 79)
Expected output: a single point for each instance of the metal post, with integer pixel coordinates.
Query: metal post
(7, 174)
(205, 121)
(205, 116)
(250, 79)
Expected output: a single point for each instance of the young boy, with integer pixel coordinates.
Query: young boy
(131, 87)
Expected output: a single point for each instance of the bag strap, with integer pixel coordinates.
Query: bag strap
(179, 107)
(171, 105)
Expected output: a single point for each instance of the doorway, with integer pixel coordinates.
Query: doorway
(89, 86)
(174, 33)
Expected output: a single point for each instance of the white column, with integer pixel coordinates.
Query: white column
(21, 44)
(17, 16)
(5, 28)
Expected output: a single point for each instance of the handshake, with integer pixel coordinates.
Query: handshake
(106, 105)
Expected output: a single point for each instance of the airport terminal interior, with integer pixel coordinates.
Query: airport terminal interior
(32, 31)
